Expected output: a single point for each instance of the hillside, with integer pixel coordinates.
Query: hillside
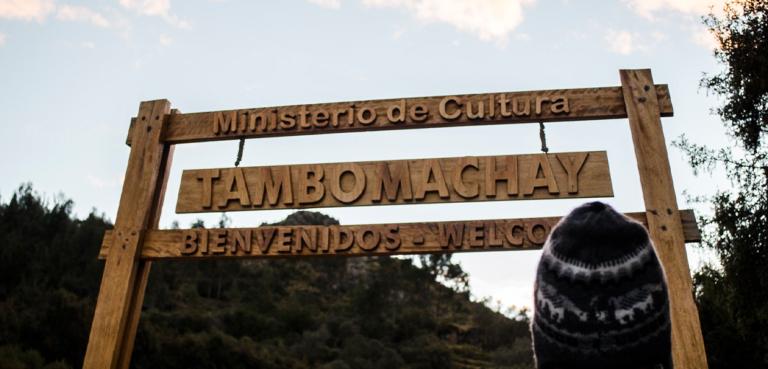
(326, 313)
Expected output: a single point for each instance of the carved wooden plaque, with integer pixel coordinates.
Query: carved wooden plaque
(417, 112)
(421, 181)
(360, 240)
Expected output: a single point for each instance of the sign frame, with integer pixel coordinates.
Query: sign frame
(157, 129)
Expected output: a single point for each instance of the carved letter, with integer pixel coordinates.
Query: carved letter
(492, 176)
(264, 238)
(390, 232)
(516, 105)
(204, 243)
(374, 241)
(335, 116)
(273, 188)
(239, 240)
(219, 239)
(401, 178)
(573, 168)
(444, 112)
(371, 115)
(493, 241)
(321, 119)
(560, 105)
(207, 175)
(432, 167)
(225, 124)
(337, 244)
(400, 118)
(491, 107)
(480, 110)
(189, 242)
(254, 118)
(510, 233)
(235, 178)
(419, 113)
(475, 234)
(325, 238)
(531, 227)
(306, 183)
(307, 237)
(540, 161)
(273, 122)
(243, 121)
(458, 184)
(287, 121)
(539, 101)
(303, 117)
(356, 191)
(284, 239)
(451, 231)
(503, 101)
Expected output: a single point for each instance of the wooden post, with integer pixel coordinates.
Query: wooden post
(663, 216)
(137, 299)
(122, 286)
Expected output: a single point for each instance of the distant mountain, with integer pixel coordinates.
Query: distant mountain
(370, 312)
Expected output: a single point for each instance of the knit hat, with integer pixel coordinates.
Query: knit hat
(600, 293)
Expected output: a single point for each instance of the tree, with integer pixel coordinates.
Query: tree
(733, 297)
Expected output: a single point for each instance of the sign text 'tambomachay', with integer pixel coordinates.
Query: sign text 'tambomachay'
(420, 181)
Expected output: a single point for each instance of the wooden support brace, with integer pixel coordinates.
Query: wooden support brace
(137, 299)
(663, 216)
(122, 286)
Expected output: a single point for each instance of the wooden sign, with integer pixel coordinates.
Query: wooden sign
(419, 112)
(423, 181)
(135, 241)
(359, 240)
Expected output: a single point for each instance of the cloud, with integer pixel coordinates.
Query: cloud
(2, 38)
(26, 9)
(487, 19)
(626, 43)
(81, 14)
(703, 37)
(153, 8)
(621, 42)
(165, 40)
(647, 8)
(332, 4)
(120, 23)
(87, 44)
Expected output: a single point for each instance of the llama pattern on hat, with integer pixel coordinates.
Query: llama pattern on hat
(600, 295)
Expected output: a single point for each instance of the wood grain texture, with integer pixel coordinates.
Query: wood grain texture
(422, 112)
(430, 181)
(664, 221)
(142, 273)
(394, 239)
(133, 217)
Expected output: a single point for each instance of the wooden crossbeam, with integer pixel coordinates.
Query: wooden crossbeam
(420, 181)
(358, 240)
(420, 112)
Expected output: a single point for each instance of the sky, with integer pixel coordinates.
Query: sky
(72, 74)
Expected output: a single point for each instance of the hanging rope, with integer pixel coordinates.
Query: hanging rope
(240, 152)
(543, 137)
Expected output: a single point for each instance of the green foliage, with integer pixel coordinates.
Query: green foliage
(742, 36)
(733, 297)
(352, 313)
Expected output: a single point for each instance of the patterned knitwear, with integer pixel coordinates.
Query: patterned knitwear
(600, 295)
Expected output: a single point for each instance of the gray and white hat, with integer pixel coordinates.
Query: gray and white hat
(600, 296)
